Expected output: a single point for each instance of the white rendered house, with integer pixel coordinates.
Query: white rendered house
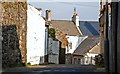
(35, 36)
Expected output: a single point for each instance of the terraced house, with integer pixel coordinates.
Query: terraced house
(23, 40)
(73, 34)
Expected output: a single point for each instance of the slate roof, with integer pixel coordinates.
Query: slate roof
(65, 26)
(86, 45)
(89, 28)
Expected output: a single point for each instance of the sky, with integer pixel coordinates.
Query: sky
(87, 11)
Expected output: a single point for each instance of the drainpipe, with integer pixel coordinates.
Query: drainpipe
(106, 41)
(46, 42)
(47, 23)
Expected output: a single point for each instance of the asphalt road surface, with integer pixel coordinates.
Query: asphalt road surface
(52, 69)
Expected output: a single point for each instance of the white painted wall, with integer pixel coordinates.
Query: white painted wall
(75, 18)
(35, 36)
(75, 40)
(88, 60)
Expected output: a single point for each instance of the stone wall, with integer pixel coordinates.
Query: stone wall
(11, 54)
(61, 37)
(14, 28)
(102, 32)
(68, 58)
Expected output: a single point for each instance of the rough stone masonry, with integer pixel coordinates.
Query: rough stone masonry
(14, 27)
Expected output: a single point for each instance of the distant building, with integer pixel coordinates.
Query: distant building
(65, 29)
(88, 48)
(71, 33)
(91, 45)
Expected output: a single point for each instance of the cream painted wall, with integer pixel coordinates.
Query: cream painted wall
(35, 36)
(95, 49)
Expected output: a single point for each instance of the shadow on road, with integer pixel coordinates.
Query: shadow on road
(52, 69)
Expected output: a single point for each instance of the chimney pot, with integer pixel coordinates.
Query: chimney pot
(48, 15)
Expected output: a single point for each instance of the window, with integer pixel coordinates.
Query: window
(75, 60)
(70, 45)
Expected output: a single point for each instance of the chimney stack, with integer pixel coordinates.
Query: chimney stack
(75, 18)
(48, 15)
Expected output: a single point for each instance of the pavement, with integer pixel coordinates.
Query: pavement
(53, 69)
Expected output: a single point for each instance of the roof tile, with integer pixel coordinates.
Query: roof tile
(66, 26)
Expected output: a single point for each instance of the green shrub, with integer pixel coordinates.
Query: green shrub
(51, 32)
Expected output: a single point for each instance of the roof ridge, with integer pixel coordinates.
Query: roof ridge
(90, 40)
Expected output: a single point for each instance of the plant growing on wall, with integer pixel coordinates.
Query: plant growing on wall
(99, 60)
(51, 33)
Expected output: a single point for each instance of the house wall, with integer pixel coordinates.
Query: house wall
(35, 36)
(53, 51)
(102, 30)
(95, 49)
(68, 58)
(75, 40)
(62, 56)
(118, 40)
(103, 3)
(0, 39)
(13, 17)
(73, 59)
(92, 53)
(77, 59)
(111, 36)
(59, 35)
(89, 59)
(103, 23)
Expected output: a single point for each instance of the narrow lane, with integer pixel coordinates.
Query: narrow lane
(52, 69)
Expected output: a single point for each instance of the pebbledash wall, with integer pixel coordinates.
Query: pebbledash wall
(13, 21)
